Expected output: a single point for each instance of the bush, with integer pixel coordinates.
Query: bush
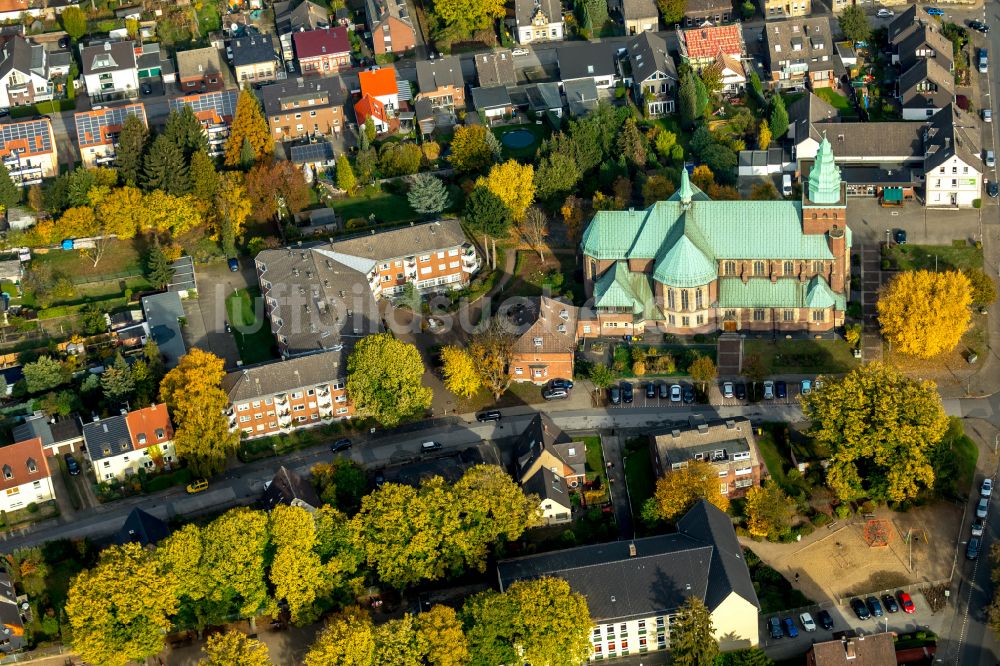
(868, 506)
(821, 519)
(843, 511)
(805, 529)
(32, 508)
(356, 223)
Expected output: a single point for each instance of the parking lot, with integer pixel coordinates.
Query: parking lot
(666, 396)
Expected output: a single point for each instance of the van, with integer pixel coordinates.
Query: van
(786, 185)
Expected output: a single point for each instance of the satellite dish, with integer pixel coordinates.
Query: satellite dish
(235, 27)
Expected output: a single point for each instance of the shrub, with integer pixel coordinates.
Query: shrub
(356, 223)
(806, 529)
(821, 519)
(639, 368)
(843, 511)
(868, 506)
(33, 507)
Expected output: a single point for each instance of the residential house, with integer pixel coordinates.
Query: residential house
(851, 650)
(692, 265)
(119, 446)
(953, 166)
(153, 63)
(731, 74)
(12, 621)
(110, 71)
(729, 446)
(596, 61)
(341, 281)
(785, 9)
(28, 150)
(97, 132)
(369, 107)
(493, 104)
(255, 59)
(289, 488)
(924, 89)
(549, 463)
(142, 528)
(707, 12)
(58, 436)
(581, 96)
(24, 73)
(700, 47)
(800, 51)
(391, 26)
(201, 70)
(294, 393)
(441, 83)
(298, 108)
(654, 75)
(538, 21)
(637, 15)
(381, 84)
(292, 17)
(635, 589)
(26, 475)
(314, 158)
(915, 35)
(164, 314)
(323, 51)
(546, 342)
(544, 97)
(495, 69)
(215, 111)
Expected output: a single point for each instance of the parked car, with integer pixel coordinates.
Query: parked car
(561, 384)
(987, 115)
(874, 606)
(987, 488)
(427, 447)
(990, 159)
(768, 390)
(979, 26)
(520, 52)
(379, 478)
(984, 61)
(806, 387)
(890, 604)
(906, 602)
(615, 395)
(664, 391)
(790, 627)
(934, 11)
(972, 550)
(885, 13)
(774, 628)
(64, 42)
(627, 392)
(675, 393)
(860, 609)
(991, 189)
(741, 391)
(781, 390)
(234, 264)
(72, 466)
(490, 415)
(978, 527)
(146, 89)
(651, 390)
(825, 619)
(555, 394)
(687, 395)
(197, 486)
(983, 508)
(899, 236)
(807, 622)
(728, 390)
(341, 444)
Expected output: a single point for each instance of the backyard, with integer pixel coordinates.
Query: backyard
(639, 476)
(802, 357)
(513, 147)
(838, 101)
(533, 276)
(596, 473)
(384, 206)
(253, 337)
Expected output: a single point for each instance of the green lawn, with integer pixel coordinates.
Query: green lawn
(541, 133)
(42, 108)
(960, 254)
(835, 99)
(775, 459)
(121, 259)
(639, 476)
(253, 337)
(208, 19)
(803, 356)
(386, 207)
(555, 274)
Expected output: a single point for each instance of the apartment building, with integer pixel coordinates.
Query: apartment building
(729, 446)
(255, 59)
(800, 52)
(537, 21)
(293, 393)
(785, 9)
(110, 71)
(201, 70)
(322, 52)
(953, 163)
(28, 150)
(546, 343)
(215, 111)
(391, 26)
(121, 445)
(97, 132)
(302, 107)
(26, 475)
(291, 17)
(707, 12)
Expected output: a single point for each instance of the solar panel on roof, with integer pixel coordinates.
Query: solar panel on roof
(312, 152)
(27, 131)
(89, 123)
(222, 102)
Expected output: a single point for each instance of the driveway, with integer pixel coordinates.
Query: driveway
(206, 315)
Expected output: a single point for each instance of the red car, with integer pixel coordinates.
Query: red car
(906, 602)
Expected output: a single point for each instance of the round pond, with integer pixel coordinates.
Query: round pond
(518, 139)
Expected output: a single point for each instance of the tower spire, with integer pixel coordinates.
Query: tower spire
(685, 189)
(824, 179)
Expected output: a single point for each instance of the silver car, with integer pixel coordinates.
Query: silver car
(983, 508)
(728, 390)
(768, 390)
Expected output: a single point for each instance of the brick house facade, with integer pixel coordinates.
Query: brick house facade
(302, 107)
(545, 349)
(322, 52)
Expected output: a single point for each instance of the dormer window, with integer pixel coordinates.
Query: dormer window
(538, 342)
(141, 438)
(32, 467)
(160, 434)
(107, 450)
(8, 473)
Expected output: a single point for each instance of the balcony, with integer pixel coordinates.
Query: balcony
(104, 160)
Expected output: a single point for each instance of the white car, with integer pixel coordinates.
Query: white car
(728, 390)
(987, 115)
(885, 13)
(768, 390)
(983, 508)
(987, 488)
(807, 622)
(520, 52)
(675, 393)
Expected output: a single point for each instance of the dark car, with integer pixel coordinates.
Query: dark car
(341, 444)
(146, 89)
(379, 478)
(874, 606)
(564, 384)
(979, 26)
(615, 395)
(825, 619)
(741, 391)
(234, 264)
(491, 415)
(774, 628)
(890, 604)
(899, 235)
(780, 390)
(651, 390)
(860, 609)
(72, 466)
(664, 391)
(627, 394)
(790, 627)
(64, 42)
(992, 189)
(972, 551)
(687, 395)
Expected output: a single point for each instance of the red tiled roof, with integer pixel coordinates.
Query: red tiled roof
(379, 83)
(325, 41)
(707, 42)
(369, 106)
(17, 461)
(149, 426)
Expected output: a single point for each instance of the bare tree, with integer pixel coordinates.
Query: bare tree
(535, 229)
(492, 350)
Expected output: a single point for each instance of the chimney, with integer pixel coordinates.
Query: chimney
(631, 550)
(850, 650)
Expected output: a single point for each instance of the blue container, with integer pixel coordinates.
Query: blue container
(67, 244)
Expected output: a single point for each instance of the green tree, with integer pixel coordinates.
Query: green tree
(601, 376)
(181, 557)
(165, 169)
(74, 22)
(494, 510)
(691, 639)
(769, 511)
(746, 657)
(44, 374)
(341, 483)
(369, 130)
(384, 379)
(688, 100)
(204, 177)
(345, 175)
(880, 426)
(120, 610)
(158, 268)
(297, 574)
(471, 150)
(347, 640)
(130, 149)
(854, 24)
(722, 161)
(93, 320)
(235, 546)
(248, 127)
(631, 144)
(779, 118)
(116, 382)
(702, 371)
(486, 213)
(234, 648)
(400, 159)
(145, 387)
(557, 174)
(29, 569)
(672, 10)
(9, 194)
(664, 143)
(984, 291)
(184, 131)
(756, 86)
(397, 643)
(469, 16)
(428, 195)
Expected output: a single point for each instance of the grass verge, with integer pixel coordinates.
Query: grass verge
(957, 256)
(803, 356)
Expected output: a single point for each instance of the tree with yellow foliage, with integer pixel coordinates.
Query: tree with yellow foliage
(193, 392)
(249, 127)
(881, 427)
(514, 184)
(347, 640)
(492, 350)
(385, 379)
(234, 648)
(232, 206)
(680, 489)
(472, 149)
(702, 177)
(440, 632)
(461, 376)
(923, 313)
(769, 510)
(468, 16)
(296, 572)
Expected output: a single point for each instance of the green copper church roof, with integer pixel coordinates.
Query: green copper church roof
(693, 192)
(684, 265)
(783, 293)
(620, 288)
(820, 296)
(824, 178)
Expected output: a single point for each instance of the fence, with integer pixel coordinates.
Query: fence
(40, 653)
